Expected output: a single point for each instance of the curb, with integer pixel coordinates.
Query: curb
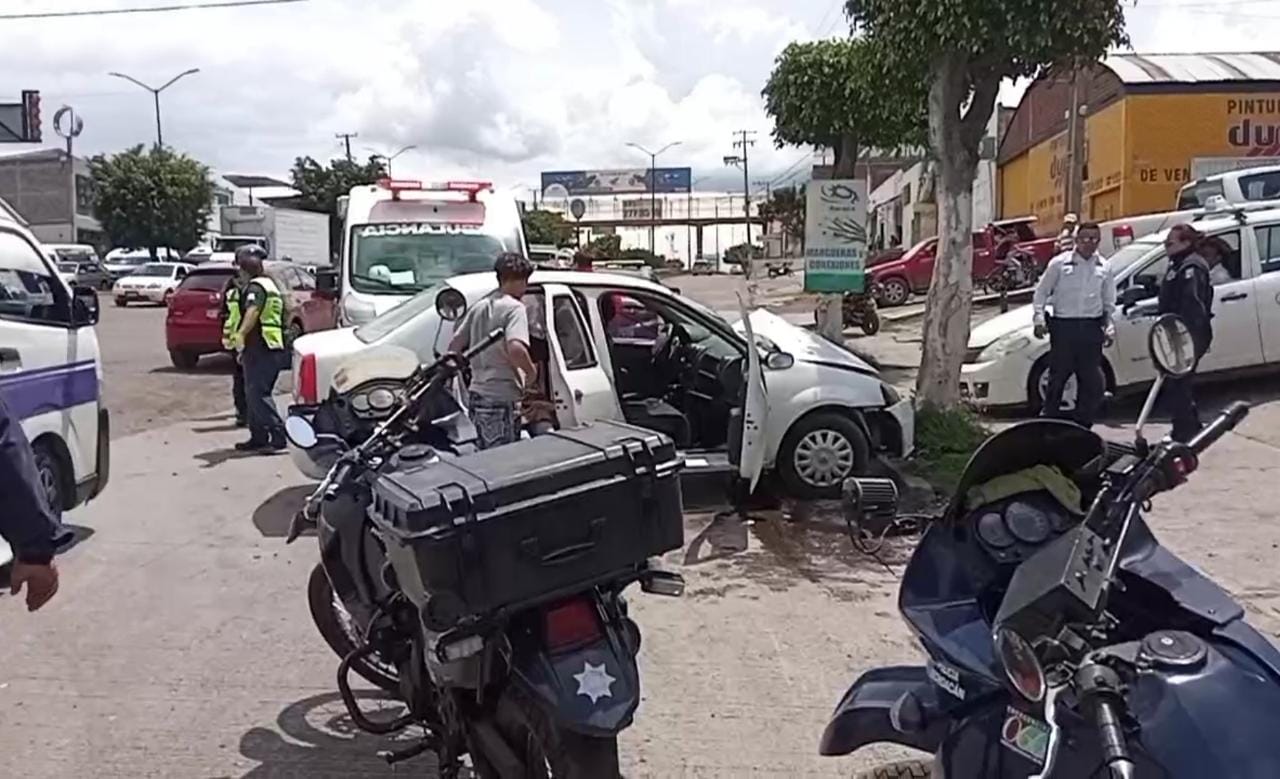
(904, 316)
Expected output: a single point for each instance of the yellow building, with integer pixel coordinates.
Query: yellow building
(1152, 122)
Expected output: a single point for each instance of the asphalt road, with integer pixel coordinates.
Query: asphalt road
(180, 644)
(142, 388)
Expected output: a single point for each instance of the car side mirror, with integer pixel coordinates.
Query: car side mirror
(84, 306)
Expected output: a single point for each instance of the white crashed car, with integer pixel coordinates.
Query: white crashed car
(1006, 366)
(624, 348)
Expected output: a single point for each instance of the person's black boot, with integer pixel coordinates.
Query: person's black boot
(252, 445)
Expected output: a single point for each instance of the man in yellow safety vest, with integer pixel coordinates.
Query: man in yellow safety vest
(231, 326)
(260, 341)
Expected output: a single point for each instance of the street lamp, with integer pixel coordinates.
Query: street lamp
(653, 189)
(388, 159)
(155, 92)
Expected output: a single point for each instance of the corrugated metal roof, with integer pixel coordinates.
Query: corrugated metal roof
(1194, 68)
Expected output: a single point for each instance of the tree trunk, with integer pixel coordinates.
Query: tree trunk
(830, 313)
(955, 143)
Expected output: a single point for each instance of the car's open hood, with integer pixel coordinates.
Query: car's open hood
(993, 330)
(802, 344)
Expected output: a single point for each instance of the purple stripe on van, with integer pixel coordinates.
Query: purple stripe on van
(50, 389)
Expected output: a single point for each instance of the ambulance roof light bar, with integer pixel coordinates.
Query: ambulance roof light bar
(472, 188)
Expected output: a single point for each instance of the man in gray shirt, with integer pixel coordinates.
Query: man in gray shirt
(1080, 288)
(499, 373)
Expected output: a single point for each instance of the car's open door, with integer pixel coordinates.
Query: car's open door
(755, 409)
(580, 388)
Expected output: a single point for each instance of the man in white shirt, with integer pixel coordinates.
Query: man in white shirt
(1081, 291)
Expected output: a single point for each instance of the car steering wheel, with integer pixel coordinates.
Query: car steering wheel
(664, 349)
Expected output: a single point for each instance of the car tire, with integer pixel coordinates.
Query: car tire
(168, 298)
(1038, 379)
(121, 302)
(894, 291)
(53, 477)
(819, 452)
(183, 359)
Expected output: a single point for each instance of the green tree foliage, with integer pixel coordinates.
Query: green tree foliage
(547, 227)
(843, 94)
(786, 206)
(319, 186)
(603, 247)
(152, 198)
(963, 49)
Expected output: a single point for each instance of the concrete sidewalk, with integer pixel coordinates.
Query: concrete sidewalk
(181, 645)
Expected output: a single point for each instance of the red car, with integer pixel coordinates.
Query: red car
(912, 272)
(193, 326)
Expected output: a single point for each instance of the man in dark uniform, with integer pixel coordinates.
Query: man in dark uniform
(26, 522)
(1187, 291)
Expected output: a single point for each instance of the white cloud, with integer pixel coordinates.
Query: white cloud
(490, 88)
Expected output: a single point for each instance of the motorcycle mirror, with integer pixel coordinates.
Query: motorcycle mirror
(300, 432)
(1171, 346)
(451, 304)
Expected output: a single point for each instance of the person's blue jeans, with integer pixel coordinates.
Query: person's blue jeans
(261, 369)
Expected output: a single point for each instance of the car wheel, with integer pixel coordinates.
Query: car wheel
(121, 302)
(183, 359)
(168, 298)
(53, 479)
(819, 452)
(1038, 385)
(894, 291)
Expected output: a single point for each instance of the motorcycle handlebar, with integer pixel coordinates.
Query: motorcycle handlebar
(1219, 427)
(1115, 751)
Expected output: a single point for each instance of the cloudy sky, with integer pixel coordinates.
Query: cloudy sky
(499, 89)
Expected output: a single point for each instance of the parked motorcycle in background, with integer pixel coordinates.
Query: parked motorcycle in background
(859, 309)
(1016, 270)
(1062, 639)
(485, 591)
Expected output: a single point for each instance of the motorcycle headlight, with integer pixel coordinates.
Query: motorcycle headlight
(1021, 666)
(1003, 347)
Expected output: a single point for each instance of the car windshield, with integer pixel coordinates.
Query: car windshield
(206, 282)
(1124, 257)
(155, 269)
(130, 259)
(914, 250)
(67, 267)
(401, 258)
(75, 255)
(382, 326)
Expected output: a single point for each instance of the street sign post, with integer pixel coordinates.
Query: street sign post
(835, 247)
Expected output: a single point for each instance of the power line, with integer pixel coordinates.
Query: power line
(147, 10)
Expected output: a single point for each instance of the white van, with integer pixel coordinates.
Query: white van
(401, 237)
(50, 370)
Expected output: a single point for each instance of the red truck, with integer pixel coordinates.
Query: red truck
(912, 272)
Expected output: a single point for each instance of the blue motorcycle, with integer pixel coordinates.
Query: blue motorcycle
(1062, 639)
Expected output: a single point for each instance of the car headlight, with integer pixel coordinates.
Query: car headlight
(1002, 347)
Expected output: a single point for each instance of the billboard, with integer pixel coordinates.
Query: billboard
(835, 245)
(624, 181)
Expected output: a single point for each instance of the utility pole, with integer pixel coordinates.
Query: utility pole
(346, 140)
(744, 142)
(1073, 201)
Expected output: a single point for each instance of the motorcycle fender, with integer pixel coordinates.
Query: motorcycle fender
(593, 690)
(865, 713)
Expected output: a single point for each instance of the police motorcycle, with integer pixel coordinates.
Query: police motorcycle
(1062, 639)
(484, 590)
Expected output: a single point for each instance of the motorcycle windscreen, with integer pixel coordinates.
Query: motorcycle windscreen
(1039, 442)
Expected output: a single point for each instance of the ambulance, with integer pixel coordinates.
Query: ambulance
(401, 237)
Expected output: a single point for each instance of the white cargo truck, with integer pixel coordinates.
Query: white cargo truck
(286, 233)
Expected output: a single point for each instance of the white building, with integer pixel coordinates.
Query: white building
(905, 207)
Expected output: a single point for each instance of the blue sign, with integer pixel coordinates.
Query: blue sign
(623, 181)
